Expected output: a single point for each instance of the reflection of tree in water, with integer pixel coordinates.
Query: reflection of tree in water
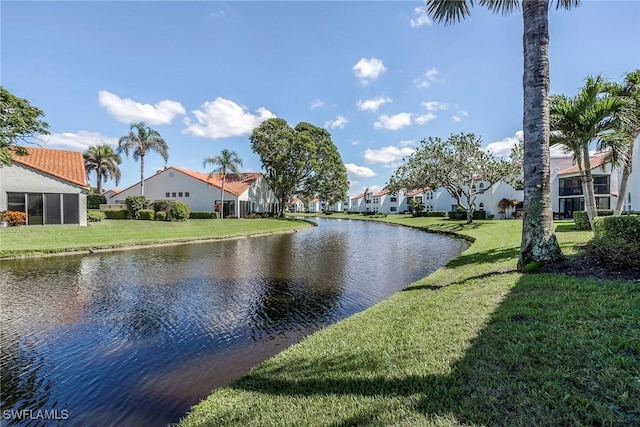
(24, 386)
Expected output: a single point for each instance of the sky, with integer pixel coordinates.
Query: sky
(380, 76)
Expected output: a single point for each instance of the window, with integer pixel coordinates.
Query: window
(393, 199)
(393, 209)
(52, 209)
(16, 202)
(481, 185)
(601, 185)
(186, 194)
(35, 213)
(603, 203)
(570, 187)
(173, 194)
(71, 208)
(167, 194)
(481, 206)
(180, 194)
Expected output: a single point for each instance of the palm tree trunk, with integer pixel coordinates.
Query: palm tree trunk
(222, 198)
(624, 181)
(539, 243)
(589, 195)
(99, 184)
(142, 175)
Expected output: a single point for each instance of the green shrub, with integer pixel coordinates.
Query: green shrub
(146, 214)
(162, 205)
(136, 204)
(95, 216)
(616, 241)
(581, 219)
(180, 212)
(457, 214)
(479, 214)
(95, 200)
(204, 215)
(161, 216)
(439, 214)
(116, 213)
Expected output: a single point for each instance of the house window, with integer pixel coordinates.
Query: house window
(601, 185)
(393, 209)
(481, 206)
(35, 213)
(186, 194)
(570, 187)
(603, 203)
(16, 202)
(393, 199)
(167, 194)
(52, 209)
(173, 194)
(481, 185)
(71, 208)
(180, 194)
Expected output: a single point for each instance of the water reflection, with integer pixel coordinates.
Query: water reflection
(136, 338)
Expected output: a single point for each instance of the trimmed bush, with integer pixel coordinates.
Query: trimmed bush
(457, 215)
(136, 204)
(13, 218)
(581, 219)
(479, 214)
(95, 200)
(162, 205)
(204, 215)
(95, 216)
(161, 216)
(180, 212)
(116, 213)
(616, 241)
(439, 214)
(146, 214)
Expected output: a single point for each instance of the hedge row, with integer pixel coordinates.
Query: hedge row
(581, 219)
(204, 215)
(616, 241)
(463, 215)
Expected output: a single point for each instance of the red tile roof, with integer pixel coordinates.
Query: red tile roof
(62, 164)
(380, 193)
(359, 196)
(418, 191)
(232, 183)
(596, 161)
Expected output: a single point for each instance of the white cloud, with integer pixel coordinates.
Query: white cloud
(388, 154)
(503, 148)
(338, 122)
(223, 118)
(393, 122)
(408, 143)
(421, 17)
(461, 115)
(317, 104)
(127, 110)
(425, 118)
(368, 70)
(373, 104)
(359, 171)
(428, 78)
(434, 105)
(79, 141)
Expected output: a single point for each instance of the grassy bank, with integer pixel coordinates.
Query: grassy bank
(34, 240)
(474, 343)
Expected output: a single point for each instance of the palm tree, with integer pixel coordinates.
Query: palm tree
(577, 122)
(141, 140)
(627, 129)
(227, 162)
(539, 243)
(104, 161)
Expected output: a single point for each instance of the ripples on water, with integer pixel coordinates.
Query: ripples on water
(135, 338)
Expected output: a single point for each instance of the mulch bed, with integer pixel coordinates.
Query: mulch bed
(586, 266)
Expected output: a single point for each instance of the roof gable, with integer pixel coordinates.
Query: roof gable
(233, 184)
(62, 164)
(596, 161)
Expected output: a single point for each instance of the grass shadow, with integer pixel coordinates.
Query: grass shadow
(554, 351)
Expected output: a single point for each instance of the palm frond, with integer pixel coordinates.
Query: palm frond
(448, 11)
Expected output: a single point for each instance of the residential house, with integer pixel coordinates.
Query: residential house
(315, 205)
(50, 186)
(296, 205)
(202, 193)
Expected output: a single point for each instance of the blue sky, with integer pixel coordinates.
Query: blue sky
(380, 76)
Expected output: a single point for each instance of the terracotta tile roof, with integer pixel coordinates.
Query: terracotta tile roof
(359, 196)
(380, 193)
(63, 164)
(232, 183)
(316, 200)
(418, 191)
(596, 161)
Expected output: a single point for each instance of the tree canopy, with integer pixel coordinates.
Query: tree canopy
(226, 162)
(301, 160)
(19, 121)
(458, 164)
(104, 161)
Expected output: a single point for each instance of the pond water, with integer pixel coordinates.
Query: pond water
(135, 338)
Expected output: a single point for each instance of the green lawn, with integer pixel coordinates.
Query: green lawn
(475, 343)
(31, 240)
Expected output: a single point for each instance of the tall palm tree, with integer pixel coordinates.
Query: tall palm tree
(104, 161)
(579, 121)
(627, 129)
(539, 243)
(227, 162)
(141, 140)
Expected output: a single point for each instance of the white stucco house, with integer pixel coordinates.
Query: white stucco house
(50, 186)
(243, 195)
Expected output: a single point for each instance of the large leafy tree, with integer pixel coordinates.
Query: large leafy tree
(140, 141)
(300, 160)
(104, 161)
(539, 243)
(458, 164)
(225, 163)
(19, 121)
(579, 121)
(626, 130)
